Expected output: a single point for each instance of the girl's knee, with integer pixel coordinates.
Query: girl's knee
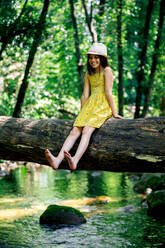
(75, 131)
(88, 130)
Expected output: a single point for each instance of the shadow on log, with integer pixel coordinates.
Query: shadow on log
(119, 145)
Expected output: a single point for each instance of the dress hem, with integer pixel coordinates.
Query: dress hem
(85, 126)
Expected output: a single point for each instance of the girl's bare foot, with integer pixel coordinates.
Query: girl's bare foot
(71, 162)
(53, 161)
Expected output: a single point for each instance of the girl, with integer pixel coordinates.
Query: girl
(95, 109)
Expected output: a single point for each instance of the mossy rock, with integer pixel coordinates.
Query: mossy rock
(61, 216)
(154, 181)
(156, 204)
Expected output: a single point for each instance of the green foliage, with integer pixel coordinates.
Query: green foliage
(54, 89)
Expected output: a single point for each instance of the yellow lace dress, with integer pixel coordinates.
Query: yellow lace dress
(96, 109)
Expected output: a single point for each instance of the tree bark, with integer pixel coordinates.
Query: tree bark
(120, 58)
(77, 45)
(142, 58)
(36, 41)
(119, 145)
(148, 91)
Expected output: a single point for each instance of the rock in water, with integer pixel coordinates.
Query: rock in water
(156, 204)
(154, 181)
(61, 215)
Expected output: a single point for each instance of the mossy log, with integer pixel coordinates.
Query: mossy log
(119, 145)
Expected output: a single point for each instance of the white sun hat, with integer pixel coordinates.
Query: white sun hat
(98, 49)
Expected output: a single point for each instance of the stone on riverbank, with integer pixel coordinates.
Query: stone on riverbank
(156, 204)
(62, 215)
(154, 181)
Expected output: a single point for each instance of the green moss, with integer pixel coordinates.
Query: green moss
(156, 204)
(61, 215)
(153, 181)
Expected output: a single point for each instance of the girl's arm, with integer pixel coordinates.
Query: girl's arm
(108, 91)
(86, 90)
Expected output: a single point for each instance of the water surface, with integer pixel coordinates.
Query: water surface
(112, 209)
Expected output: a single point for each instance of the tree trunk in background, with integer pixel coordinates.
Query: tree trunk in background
(77, 45)
(36, 41)
(142, 58)
(100, 14)
(148, 91)
(101, 7)
(119, 145)
(88, 18)
(10, 34)
(162, 106)
(120, 58)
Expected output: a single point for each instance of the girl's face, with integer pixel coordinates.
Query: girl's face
(94, 61)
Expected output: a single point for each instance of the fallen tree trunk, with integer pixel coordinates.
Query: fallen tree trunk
(119, 145)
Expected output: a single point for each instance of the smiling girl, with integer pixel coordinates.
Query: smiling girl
(97, 105)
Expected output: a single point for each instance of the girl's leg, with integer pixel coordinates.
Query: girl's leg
(69, 142)
(73, 161)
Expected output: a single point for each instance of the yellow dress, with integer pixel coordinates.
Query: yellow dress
(96, 109)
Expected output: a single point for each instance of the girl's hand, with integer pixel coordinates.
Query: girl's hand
(116, 116)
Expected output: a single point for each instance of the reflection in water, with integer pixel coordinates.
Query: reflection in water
(102, 196)
(96, 184)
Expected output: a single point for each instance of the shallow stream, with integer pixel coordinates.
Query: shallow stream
(113, 210)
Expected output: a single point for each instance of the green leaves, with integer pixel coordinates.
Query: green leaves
(54, 81)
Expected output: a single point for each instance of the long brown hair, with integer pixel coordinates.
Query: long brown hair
(103, 62)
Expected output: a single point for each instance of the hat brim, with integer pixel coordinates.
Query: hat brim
(98, 54)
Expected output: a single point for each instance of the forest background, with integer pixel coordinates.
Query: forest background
(43, 55)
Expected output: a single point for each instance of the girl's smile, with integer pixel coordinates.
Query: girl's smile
(96, 107)
(94, 61)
